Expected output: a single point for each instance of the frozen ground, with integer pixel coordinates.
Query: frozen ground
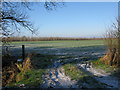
(100, 75)
(56, 78)
(91, 52)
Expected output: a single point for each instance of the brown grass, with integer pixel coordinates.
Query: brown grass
(112, 39)
(11, 68)
(9, 73)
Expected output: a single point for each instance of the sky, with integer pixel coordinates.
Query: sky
(74, 19)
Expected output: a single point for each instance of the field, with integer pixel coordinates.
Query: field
(80, 49)
(59, 47)
(53, 60)
(61, 44)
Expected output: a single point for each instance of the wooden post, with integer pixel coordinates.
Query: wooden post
(23, 52)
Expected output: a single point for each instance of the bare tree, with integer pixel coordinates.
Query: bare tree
(14, 17)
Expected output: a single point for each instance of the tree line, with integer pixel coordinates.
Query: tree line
(24, 38)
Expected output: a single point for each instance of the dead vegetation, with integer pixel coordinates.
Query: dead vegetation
(11, 68)
(23, 67)
(112, 40)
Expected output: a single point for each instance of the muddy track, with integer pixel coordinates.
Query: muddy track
(100, 75)
(56, 78)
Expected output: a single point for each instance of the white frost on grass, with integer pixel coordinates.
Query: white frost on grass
(100, 75)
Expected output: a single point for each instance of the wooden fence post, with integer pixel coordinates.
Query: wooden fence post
(23, 52)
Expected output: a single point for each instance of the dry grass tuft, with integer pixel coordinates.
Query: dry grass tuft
(11, 68)
(9, 74)
(24, 67)
(106, 59)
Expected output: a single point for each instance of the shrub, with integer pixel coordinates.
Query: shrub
(112, 40)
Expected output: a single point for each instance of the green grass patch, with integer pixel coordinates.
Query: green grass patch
(100, 65)
(30, 78)
(84, 79)
(115, 71)
(60, 44)
(33, 77)
(72, 71)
